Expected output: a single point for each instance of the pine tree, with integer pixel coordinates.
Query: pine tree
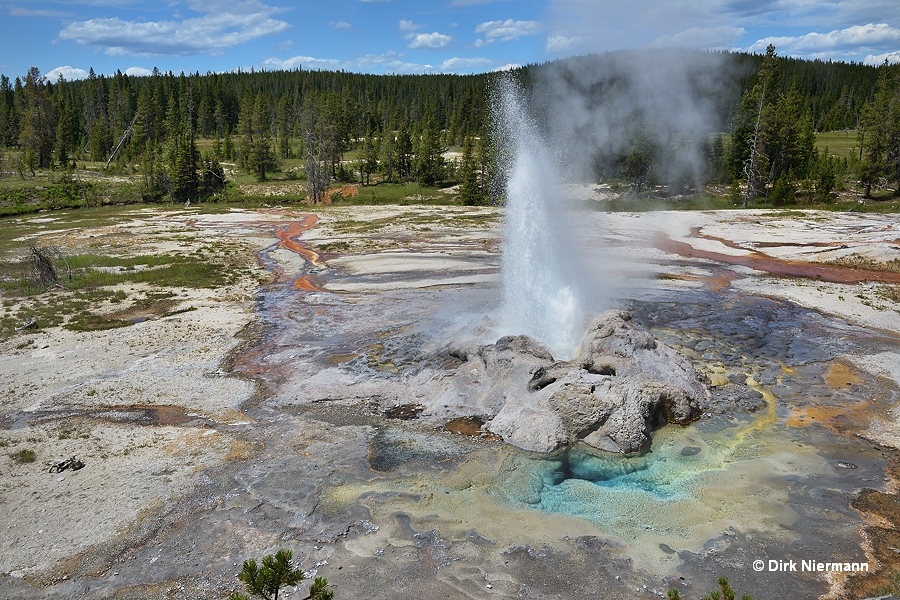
(371, 150)
(255, 128)
(388, 156)
(879, 133)
(404, 152)
(38, 125)
(184, 173)
(430, 164)
(265, 581)
(7, 132)
(62, 138)
(470, 190)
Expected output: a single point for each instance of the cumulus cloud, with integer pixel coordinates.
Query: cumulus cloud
(222, 25)
(505, 31)
(562, 44)
(858, 38)
(68, 73)
(138, 72)
(458, 64)
(430, 41)
(341, 25)
(878, 59)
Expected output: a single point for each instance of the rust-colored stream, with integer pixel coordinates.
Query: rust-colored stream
(288, 234)
(763, 262)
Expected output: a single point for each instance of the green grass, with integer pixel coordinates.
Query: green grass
(79, 306)
(644, 203)
(398, 193)
(842, 143)
(94, 287)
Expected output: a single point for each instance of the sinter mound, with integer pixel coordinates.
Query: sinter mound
(622, 385)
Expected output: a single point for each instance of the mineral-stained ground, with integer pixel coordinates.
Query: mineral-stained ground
(306, 401)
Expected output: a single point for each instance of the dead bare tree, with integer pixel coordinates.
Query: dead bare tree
(43, 270)
(751, 165)
(317, 133)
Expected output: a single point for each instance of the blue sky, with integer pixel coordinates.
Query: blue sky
(420, 36)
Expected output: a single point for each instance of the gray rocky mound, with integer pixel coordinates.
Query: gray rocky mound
(622, 384)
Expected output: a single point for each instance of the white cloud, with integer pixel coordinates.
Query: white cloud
(18, 11)
(561, 44)
(457, 63)
(408, 27)
(341, 25)
(505, 31)
(219, 26)
(69, 73)
(507, 67)
(305, 62)
(430, 41)
(388, 62)
(878, 60)
(138, 72)
(855, 39)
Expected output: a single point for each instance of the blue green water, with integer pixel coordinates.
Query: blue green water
(723, 476)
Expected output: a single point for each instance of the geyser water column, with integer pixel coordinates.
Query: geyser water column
(542, 297)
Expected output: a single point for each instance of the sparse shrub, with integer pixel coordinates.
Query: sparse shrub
(893, 586)
(24, 456)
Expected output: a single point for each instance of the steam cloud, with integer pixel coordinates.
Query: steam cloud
(596, 109)
(581, 118)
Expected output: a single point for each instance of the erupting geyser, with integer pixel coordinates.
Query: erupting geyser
(541, 295)
(608, 383)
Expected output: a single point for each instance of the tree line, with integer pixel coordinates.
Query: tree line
(773, 150)
(399, 127)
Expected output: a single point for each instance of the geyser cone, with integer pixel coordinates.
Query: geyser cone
(541, 295)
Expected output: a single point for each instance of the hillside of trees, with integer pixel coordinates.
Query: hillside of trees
(397, 128)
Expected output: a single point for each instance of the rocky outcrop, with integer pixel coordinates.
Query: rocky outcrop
(622, 385)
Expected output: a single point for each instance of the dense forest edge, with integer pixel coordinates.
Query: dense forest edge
(790, 132)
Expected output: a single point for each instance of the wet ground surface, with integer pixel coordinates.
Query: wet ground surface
(791, 433)
(385, 505)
